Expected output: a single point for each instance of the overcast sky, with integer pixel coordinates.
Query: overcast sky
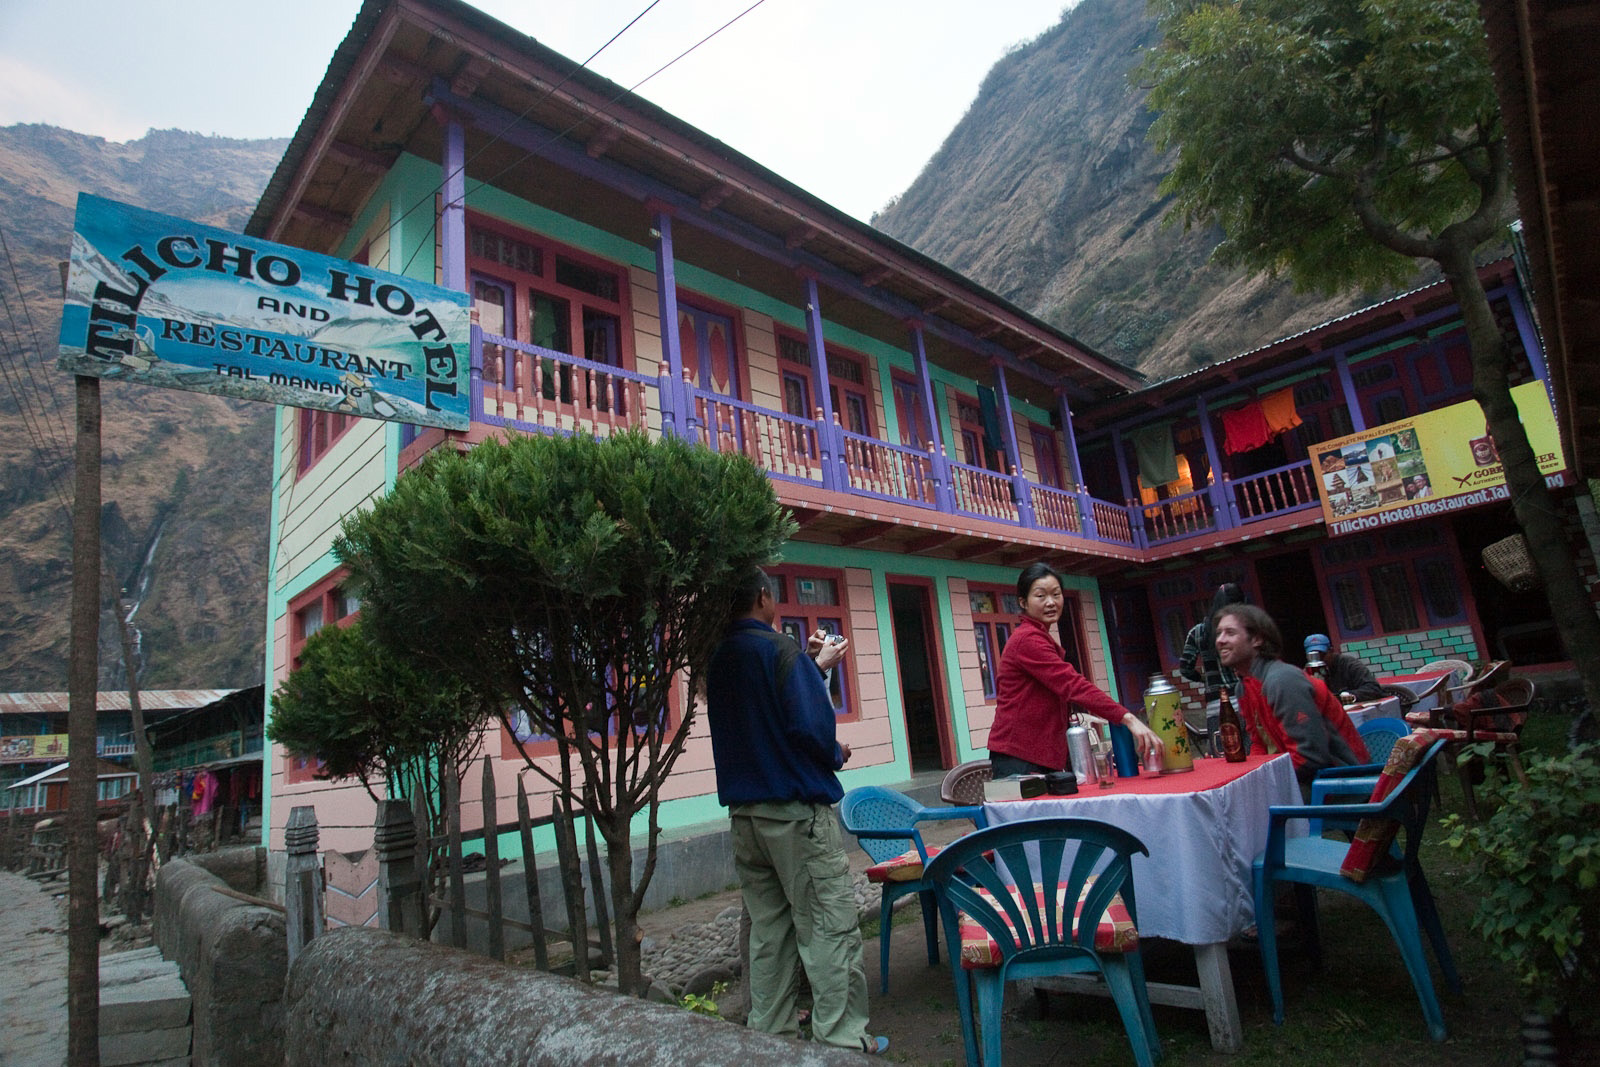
(846, 98)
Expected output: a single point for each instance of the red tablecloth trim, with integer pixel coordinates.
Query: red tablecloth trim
(1207, 774)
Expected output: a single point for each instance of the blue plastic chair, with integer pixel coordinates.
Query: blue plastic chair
(1035, 937)
(1358, 781)
(1399, 895)
(884, 823)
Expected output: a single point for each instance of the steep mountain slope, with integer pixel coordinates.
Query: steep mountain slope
(184, 515)
(1046, 193)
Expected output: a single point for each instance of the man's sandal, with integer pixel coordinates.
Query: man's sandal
(874, 1046)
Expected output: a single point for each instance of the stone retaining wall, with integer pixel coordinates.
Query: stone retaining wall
(367, 996)
(233, 955)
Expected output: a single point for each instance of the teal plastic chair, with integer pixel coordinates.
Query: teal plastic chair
(1358, 781)
(1035, 936)
(1398, 892)
(884, 823)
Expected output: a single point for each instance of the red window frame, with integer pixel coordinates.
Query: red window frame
(995, 611)
(969, 429)
(910, 411)
(319, 432)
(799, 620)
(333, 608)
(529, 264)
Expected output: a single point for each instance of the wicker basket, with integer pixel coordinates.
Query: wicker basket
(1508, 560)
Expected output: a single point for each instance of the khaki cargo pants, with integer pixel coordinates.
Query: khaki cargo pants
(796, 884)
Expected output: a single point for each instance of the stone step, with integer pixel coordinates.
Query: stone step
(145, 1011)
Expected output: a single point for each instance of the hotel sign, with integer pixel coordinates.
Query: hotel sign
(161, 301)
(1437, 462)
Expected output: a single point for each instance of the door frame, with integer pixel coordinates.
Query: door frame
(949, 751)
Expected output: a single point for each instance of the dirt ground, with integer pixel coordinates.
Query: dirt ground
(1356, 1011)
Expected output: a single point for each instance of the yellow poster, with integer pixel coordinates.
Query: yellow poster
(1437, 462)
(33, 747)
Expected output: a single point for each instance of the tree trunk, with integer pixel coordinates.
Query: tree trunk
(1570, 608)
(625, 902)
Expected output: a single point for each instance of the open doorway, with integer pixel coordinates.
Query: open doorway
(1292, 595)
(927, 716)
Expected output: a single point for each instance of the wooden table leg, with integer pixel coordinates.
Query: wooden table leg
(1216, 989)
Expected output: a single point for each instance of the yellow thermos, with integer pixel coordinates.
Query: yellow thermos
(1163, 710)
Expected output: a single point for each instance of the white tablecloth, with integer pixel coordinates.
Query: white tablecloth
(1387, 708)
(1194, 887)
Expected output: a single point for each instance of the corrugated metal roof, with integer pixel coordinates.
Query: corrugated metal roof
(155, 700)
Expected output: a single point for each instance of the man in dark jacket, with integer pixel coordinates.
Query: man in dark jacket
(1345, 675)
(775, 751)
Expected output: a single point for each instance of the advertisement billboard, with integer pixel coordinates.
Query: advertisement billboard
(1436, 462)
(166, 302)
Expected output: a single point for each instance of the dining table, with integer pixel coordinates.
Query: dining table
(1419, 684)
(1363, 710)
(1203, 829)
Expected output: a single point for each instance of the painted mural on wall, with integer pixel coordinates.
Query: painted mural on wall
(1436, 462)
(167, 302)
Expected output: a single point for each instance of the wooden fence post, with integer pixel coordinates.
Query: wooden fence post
(302, 890)
(571, 885)
(458, 881)
(530, 877)
(399, 892)
(491, 864)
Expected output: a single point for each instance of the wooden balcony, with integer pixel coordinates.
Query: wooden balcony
(859, 490)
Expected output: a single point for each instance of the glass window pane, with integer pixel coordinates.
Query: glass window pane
(1010, 604)
(600, 334)
(1391, 588)
(586, 279)
(1350, 604)
(980, 632)
(310, 619)
(794, 350)
(983, 602)
(816, 591)
(1439, 590)
(549, 322)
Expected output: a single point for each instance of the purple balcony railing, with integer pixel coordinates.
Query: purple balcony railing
(1272, 493)
(540, 390)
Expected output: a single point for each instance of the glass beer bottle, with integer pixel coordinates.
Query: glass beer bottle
(1231, 728)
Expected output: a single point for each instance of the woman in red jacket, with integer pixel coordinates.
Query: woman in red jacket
(1037, 687)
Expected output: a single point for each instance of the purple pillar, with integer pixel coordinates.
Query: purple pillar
(1341, 367)
(1074, 467)
(453, 242)
(829, 439)
(943, 495)
(674, 400)
(1019, 484)
(1136, 516)
(1221, 496)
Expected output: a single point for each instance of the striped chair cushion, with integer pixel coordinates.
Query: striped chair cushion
(906, 867)
(1116, 932)
(1374, 836)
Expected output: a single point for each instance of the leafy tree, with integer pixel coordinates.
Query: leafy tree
(375, 714)
(584, 578)
(1341, 141)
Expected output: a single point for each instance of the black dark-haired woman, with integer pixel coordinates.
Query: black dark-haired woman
(1037, 687)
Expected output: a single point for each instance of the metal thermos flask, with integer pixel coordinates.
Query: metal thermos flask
(1163, 710)
(1082, 755)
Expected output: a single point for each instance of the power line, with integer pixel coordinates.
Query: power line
(529, 153)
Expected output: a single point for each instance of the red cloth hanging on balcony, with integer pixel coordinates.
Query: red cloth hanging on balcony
(1244, 428)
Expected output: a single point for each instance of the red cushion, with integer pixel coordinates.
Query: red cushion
(1374, 835)
(906, 867)
(1116, 932)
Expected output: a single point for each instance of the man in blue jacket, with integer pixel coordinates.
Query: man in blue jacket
(775, 751)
